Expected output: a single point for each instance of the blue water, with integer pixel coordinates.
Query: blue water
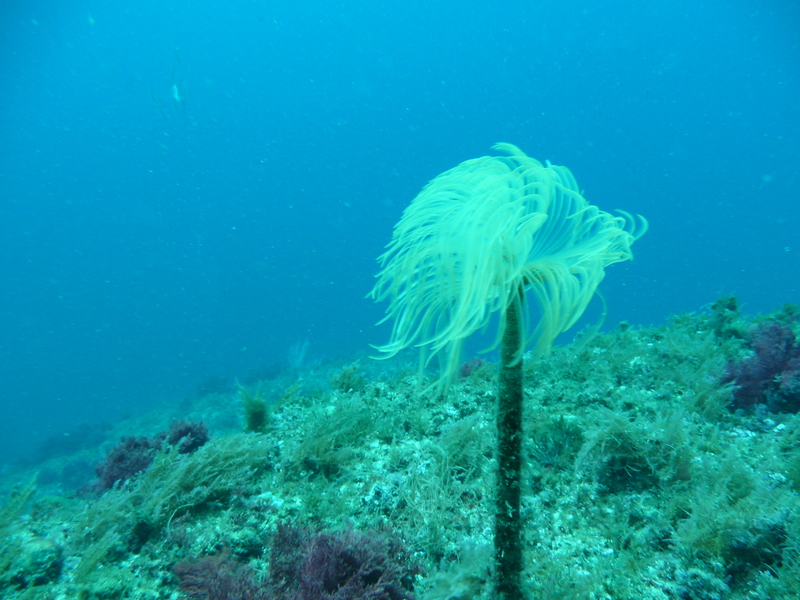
(189, 188)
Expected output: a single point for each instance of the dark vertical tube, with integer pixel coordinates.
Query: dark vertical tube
(508, 527)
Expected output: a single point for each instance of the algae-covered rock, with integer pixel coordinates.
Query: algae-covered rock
(39, 562)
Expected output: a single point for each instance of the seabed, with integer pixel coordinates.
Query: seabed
(647, 475)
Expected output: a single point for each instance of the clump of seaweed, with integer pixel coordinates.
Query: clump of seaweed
(256, 411)
(219, 577)
(771, 376)
(469, 367)
(725, 318)
(346, 565)
(352, 565)
(175, 483)
(132, 455)
(188, 435)
(349, 379)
